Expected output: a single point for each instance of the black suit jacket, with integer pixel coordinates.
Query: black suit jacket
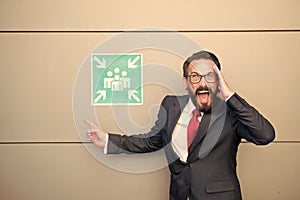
(210, 170)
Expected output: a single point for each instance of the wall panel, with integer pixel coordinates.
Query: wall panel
(69, 172)
(124, 15)
(38, 72)
(269, 172)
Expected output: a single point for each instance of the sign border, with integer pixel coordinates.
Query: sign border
(92, 85)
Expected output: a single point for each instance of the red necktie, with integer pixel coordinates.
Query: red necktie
(193, 127)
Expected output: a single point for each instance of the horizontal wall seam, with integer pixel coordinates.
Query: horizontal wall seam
(40, 142)
(157, 31)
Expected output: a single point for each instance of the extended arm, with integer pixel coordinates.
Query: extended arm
(141, 143)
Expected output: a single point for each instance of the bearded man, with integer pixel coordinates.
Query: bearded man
(200, 133)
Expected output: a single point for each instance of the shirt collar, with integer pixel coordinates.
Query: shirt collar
(190, 107)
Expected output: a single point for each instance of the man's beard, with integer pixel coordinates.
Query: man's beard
(206, 108)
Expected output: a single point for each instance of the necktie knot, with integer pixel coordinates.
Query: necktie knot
(196, 113)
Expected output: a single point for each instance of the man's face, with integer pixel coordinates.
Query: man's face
(203, 92)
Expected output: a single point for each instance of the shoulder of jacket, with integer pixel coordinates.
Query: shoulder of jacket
(175, 99)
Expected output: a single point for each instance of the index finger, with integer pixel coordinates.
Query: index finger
(90, 124)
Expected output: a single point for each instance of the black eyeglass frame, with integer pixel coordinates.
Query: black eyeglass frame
(205, 77)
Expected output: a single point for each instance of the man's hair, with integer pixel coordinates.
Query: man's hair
(200, 55)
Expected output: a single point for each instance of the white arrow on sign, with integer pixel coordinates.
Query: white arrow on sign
(100, 64)
(132, 94)
(131, 63)
(102, 94)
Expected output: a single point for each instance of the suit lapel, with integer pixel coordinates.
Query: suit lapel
(175, 110)
(209, 131)
(215, 129)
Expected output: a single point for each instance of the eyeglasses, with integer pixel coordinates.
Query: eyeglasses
(196, 78)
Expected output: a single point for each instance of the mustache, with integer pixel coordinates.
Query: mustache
(201, 89)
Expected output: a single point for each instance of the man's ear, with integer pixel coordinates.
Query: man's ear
(184, 81)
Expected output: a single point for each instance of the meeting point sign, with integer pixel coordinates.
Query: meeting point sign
(116, 79)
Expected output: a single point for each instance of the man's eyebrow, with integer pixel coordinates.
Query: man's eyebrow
(201, 74)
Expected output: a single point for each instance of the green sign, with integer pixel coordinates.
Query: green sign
(117, 79)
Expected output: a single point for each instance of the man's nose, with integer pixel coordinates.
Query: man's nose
(202, 82)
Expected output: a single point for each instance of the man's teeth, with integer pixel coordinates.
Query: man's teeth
(203, 92)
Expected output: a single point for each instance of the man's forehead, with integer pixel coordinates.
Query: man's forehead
(202, 66)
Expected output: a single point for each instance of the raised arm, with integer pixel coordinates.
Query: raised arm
(249, 123)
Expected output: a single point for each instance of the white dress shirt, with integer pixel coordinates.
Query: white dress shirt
(179, 136)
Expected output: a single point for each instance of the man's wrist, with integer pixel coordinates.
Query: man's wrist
(229, 96)
(106, 143)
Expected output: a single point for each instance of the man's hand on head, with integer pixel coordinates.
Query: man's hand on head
(224, 90)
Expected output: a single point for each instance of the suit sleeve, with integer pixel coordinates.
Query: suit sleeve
(249, 123)
(141, 143)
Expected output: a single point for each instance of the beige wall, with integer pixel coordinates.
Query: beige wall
(44, 43)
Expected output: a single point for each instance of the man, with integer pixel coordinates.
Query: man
(200, 133)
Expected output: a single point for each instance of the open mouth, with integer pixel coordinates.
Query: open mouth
(203, 96)
(202, 92)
